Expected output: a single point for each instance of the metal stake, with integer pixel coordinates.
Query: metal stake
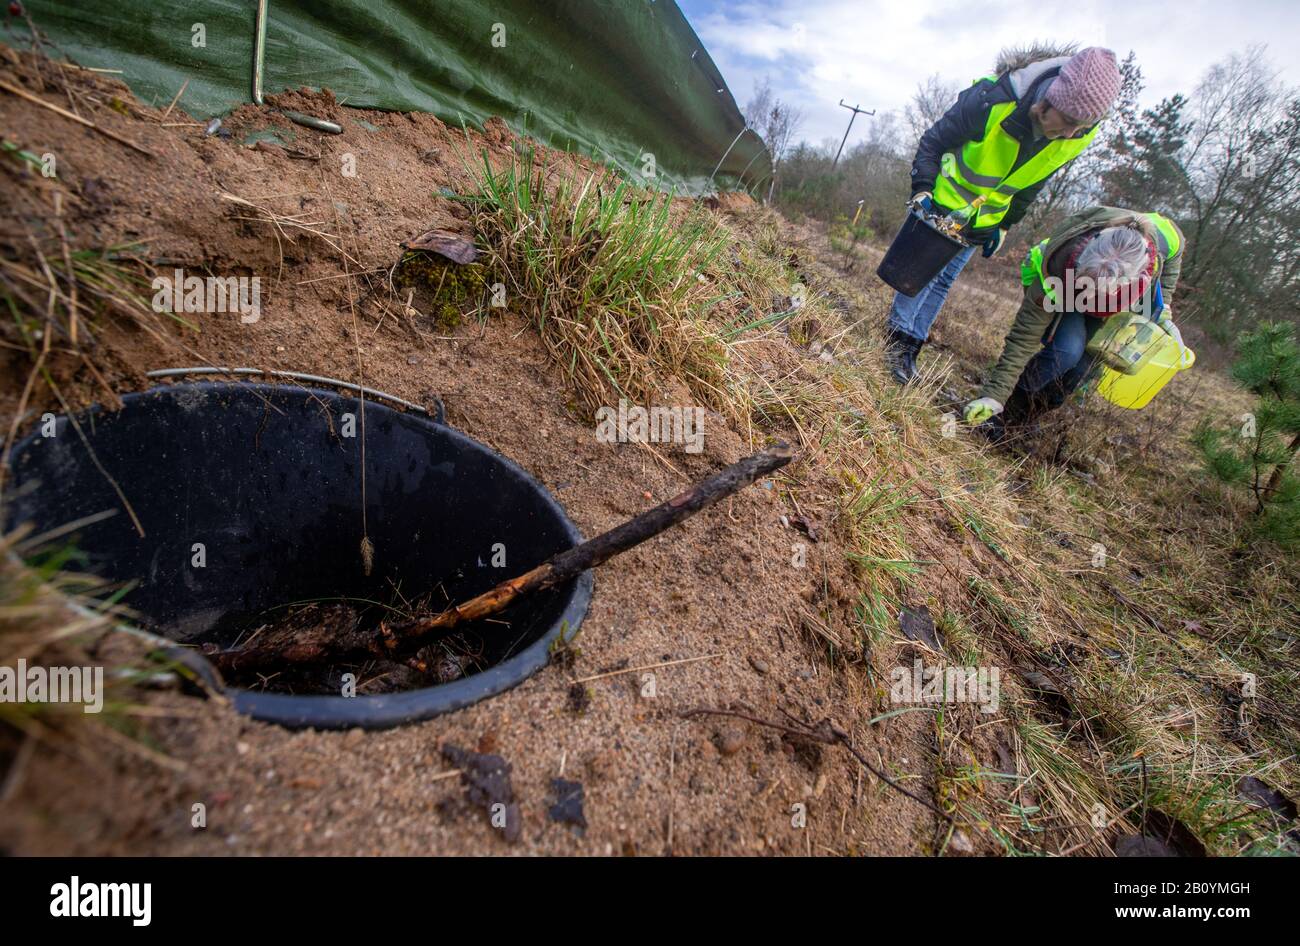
(259, 51)
(259, 62)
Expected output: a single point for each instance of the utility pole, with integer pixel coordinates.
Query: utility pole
(856, 111)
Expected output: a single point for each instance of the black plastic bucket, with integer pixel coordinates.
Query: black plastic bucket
(266, 480)
(918, 254)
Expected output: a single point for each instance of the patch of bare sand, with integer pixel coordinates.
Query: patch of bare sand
(721, 584)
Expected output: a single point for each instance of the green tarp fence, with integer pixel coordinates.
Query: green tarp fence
(619, 80)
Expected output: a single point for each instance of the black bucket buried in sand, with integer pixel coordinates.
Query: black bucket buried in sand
(918, 254)
(250, 500)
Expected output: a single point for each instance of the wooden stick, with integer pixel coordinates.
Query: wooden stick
(73, 65)
(387, 642)
(179, 93)
(662, 663)
(828, 733)
(23, 93)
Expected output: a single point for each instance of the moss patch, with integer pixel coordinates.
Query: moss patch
(442, 289)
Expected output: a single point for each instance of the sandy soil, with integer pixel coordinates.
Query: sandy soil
(721, 586)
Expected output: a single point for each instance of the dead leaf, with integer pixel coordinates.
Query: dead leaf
(802, 524)
(1040, 681)
(918, 625)
(453, 246)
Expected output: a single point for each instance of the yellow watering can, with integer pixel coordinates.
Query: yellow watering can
(1138, 360)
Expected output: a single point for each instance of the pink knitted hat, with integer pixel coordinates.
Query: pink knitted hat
(1087, 85)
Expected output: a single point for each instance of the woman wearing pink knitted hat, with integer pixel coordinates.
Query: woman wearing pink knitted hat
(1001, 141)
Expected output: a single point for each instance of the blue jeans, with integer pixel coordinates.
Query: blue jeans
(1057, 370)
(913, 315)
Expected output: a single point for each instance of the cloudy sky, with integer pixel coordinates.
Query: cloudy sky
(874, 52)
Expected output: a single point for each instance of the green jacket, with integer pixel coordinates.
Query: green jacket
(1032, 321)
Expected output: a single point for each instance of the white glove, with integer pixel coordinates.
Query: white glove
(980, 410)
(1167, 323)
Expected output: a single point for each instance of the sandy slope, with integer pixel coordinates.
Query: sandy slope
(719, 586)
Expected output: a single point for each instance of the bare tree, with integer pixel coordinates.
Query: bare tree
(931, 99)
(759, 104)
(1238, 106)
(776, 122)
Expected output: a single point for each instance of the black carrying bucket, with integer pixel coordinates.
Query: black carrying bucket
(264, 479)
(918, 254)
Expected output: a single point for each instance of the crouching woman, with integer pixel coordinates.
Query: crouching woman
(1099, 262)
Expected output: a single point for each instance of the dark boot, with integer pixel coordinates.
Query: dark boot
(901, 350)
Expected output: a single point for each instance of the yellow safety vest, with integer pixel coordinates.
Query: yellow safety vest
(984, 168)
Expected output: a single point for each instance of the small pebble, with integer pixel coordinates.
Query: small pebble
(732, 741)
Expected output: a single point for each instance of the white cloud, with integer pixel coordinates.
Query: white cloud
(875, 53)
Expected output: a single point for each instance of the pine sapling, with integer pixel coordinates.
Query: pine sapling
(1259, 455)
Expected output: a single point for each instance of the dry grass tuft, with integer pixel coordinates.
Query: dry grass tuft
(617, 279)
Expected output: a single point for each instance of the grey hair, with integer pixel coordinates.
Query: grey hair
(1118, 253)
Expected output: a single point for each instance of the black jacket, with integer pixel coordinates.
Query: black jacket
(966, 121)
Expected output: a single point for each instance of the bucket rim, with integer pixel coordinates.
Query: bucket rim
(912, 211)
(380, 710)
